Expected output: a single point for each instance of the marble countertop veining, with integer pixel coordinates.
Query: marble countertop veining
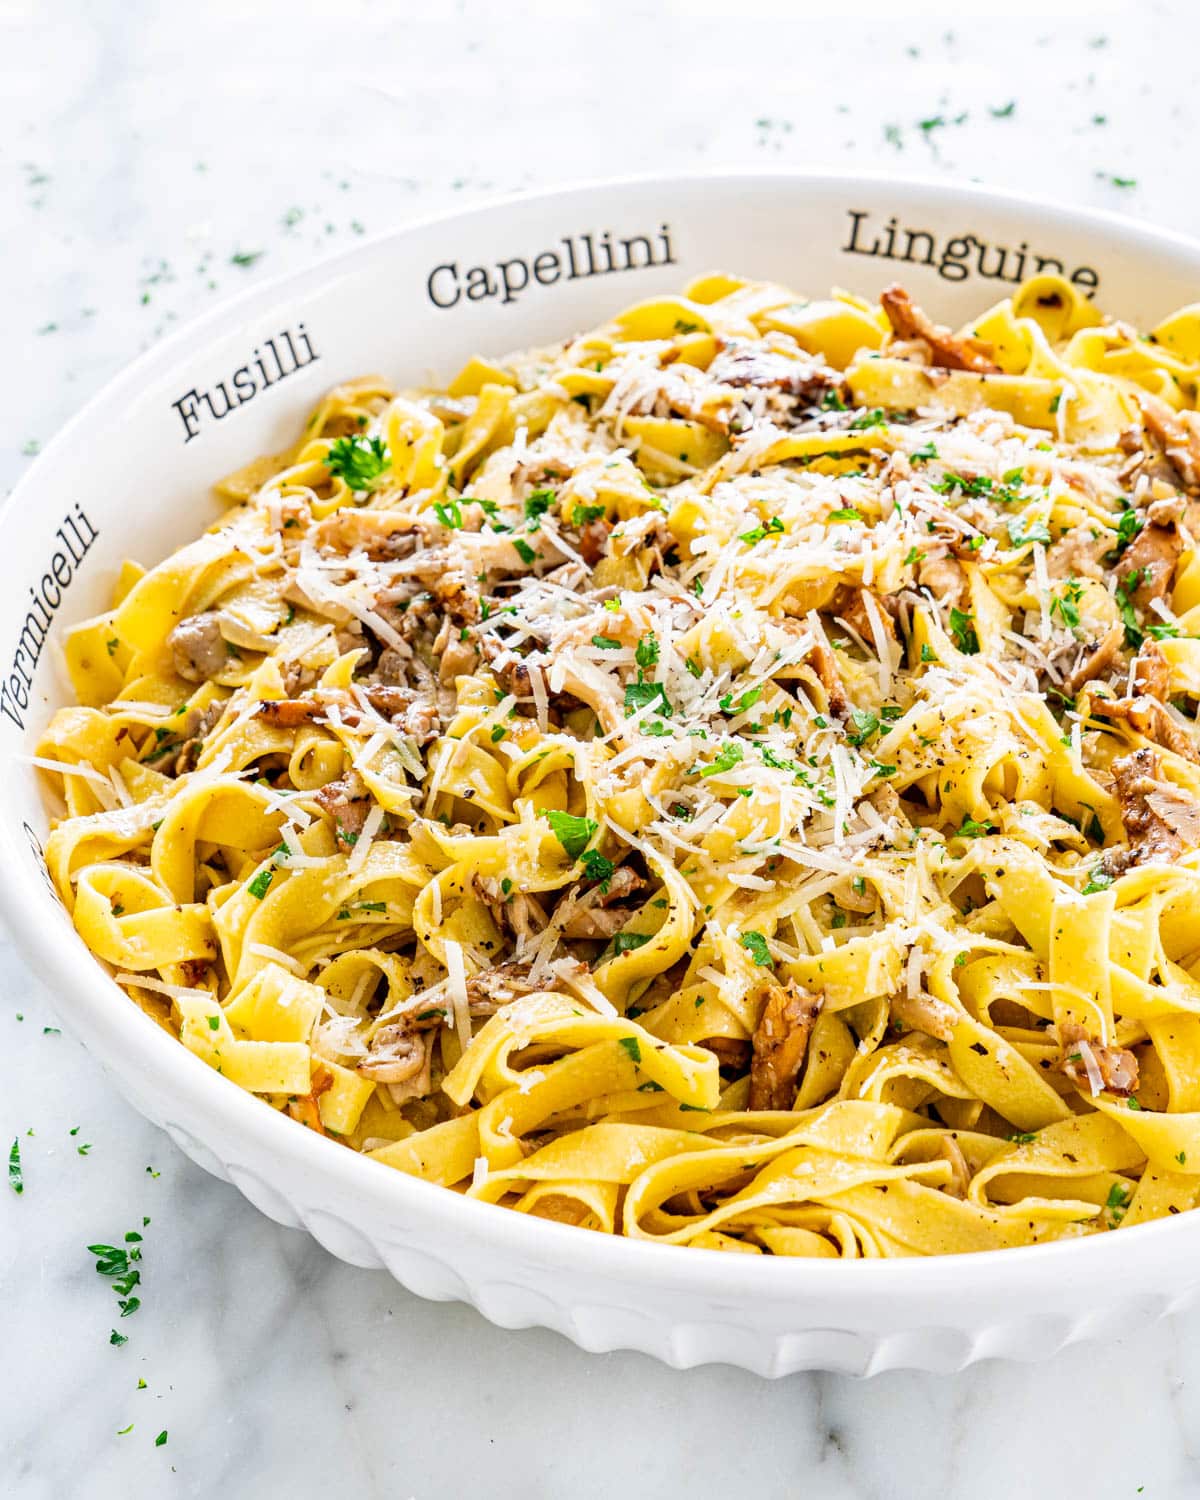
(156, 157)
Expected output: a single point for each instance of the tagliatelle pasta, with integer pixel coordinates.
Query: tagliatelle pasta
(730, 779)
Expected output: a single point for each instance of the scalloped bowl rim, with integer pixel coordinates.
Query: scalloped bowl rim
(135, 1047)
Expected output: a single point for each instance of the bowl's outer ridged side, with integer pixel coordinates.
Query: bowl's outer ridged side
(366, 310)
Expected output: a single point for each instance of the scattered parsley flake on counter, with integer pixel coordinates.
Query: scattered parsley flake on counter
(245, 258)
(119, 1266)
(16, 1179)
(122, 1431)
(1002, 111)
(117, 1339)
(756, 945)
(161, 1438)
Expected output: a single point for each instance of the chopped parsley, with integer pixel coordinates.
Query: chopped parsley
(1066, 604)
(573, 833)
(646, 654)
(725, 759)
(632, 1046)
(868, 419)
(846, 513)
(626, 942)
(1134, 635)
(119, 1264)
(1020, 533)
(755, 945)
(16, 1178)
(361, 462)
(639, 695)
(524, 551)
(1098, 880)
(606, 643)
(536, 506)
(962, 628)
(756, 533)
(597, 867)
(261, 883)
(449, 514)
(863, 724)
(970, 829)
(1129, 523)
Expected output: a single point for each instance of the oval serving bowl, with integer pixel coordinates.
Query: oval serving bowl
(414, 305)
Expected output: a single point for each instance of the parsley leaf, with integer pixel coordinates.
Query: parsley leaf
(536, 506)
(863, 724)
(970, 829)
(597, 867)
(606, 643)
(1019, 534)
(449, 513)
(361, 462)
(867, 419)
(757, 533)
(1129, 524)
(1133, 630)
(646, 654)
(640, 694)
(726, 758)
(631, 1045)
(962, 628)
(1098, 880)
(573, 833)
(756, 946)
(626, 942)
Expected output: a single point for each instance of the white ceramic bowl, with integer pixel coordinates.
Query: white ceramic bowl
(131, 476)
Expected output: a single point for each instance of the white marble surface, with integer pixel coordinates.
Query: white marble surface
(143, 145)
